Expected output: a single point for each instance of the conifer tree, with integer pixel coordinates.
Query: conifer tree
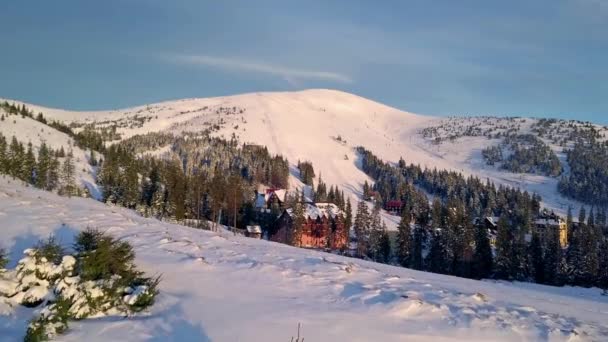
(385, 245)
(375, 235)
(362, 226)
(482, 256)
(29, 165)
(552, 259)
(569, 223)
(3, 155)
(68, 171)
(404, 239)
(536, 257)
(52, 181)
(602, 282)
(348, 219)
(42, 169)
(504, 249)
(417, 247)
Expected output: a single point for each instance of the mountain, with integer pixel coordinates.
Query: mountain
(323, 126)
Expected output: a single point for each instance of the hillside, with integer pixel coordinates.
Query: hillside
(220, 287)
(306, 125)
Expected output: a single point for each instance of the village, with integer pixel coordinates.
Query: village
(325, 227)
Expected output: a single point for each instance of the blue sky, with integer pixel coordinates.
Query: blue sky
(537, 58)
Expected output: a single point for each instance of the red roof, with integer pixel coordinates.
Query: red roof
(393, 204)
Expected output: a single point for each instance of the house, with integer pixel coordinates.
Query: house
(491, 224)
(323, 227)
(266, 198)
(254, 231)
(548, 221)
(393, 207)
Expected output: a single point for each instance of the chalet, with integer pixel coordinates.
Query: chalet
(545, 222)
(550, 221)
(254, 231)
(266, 198)
(323, 227)
(491, 224)
(393, 207)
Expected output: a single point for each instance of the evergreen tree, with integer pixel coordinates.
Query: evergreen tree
(29, 166)
(404, 239)
(362, 227)
(68, 171)
(552, 259)
(438, 259)
(4, 163)
(375, 235)
(603, 269)
(52, 180)
(504, 249)
(385, 245)
(43, 167)
(417, 247)
(482, 256)
(348, 219)
(536, 259)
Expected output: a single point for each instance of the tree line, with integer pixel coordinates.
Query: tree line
(448, 236)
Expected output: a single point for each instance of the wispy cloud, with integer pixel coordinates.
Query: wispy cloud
(291, 75)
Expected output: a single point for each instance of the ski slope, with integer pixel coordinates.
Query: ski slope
(220, 287)
(305, 125)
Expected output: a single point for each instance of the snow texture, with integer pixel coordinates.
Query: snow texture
(221, 287)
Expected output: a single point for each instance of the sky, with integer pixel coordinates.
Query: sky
(544, 58)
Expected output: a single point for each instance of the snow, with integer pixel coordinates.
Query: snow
(27, 130)
(223, 287)
(305, 125)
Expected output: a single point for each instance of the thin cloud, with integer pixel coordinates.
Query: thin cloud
(289, 74)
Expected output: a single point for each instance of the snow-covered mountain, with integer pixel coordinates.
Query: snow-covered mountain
(324, 126)
(220, 287)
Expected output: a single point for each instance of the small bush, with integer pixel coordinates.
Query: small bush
(100, 279)
(3, 258)
(50, 250)
(102, 256)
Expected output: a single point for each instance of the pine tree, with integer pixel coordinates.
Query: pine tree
(29, 165)
(569, 223)
(15, 158)
(348, 219)
(438, 260)
(482, 256)
(602, 282)
(68, 171)
(504, 249)
(42, 169)
(375, 235)
(129, 181)
(552, 259)
(52, 181)
(3, 155)
(362, 229)
(535, 255)
(385, 245)
(404, 239)
(417, 247)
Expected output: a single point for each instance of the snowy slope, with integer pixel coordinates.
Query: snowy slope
(28, 130)
(303, 125)
(220, 287)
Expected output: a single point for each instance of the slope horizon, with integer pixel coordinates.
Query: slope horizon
(42, 106)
